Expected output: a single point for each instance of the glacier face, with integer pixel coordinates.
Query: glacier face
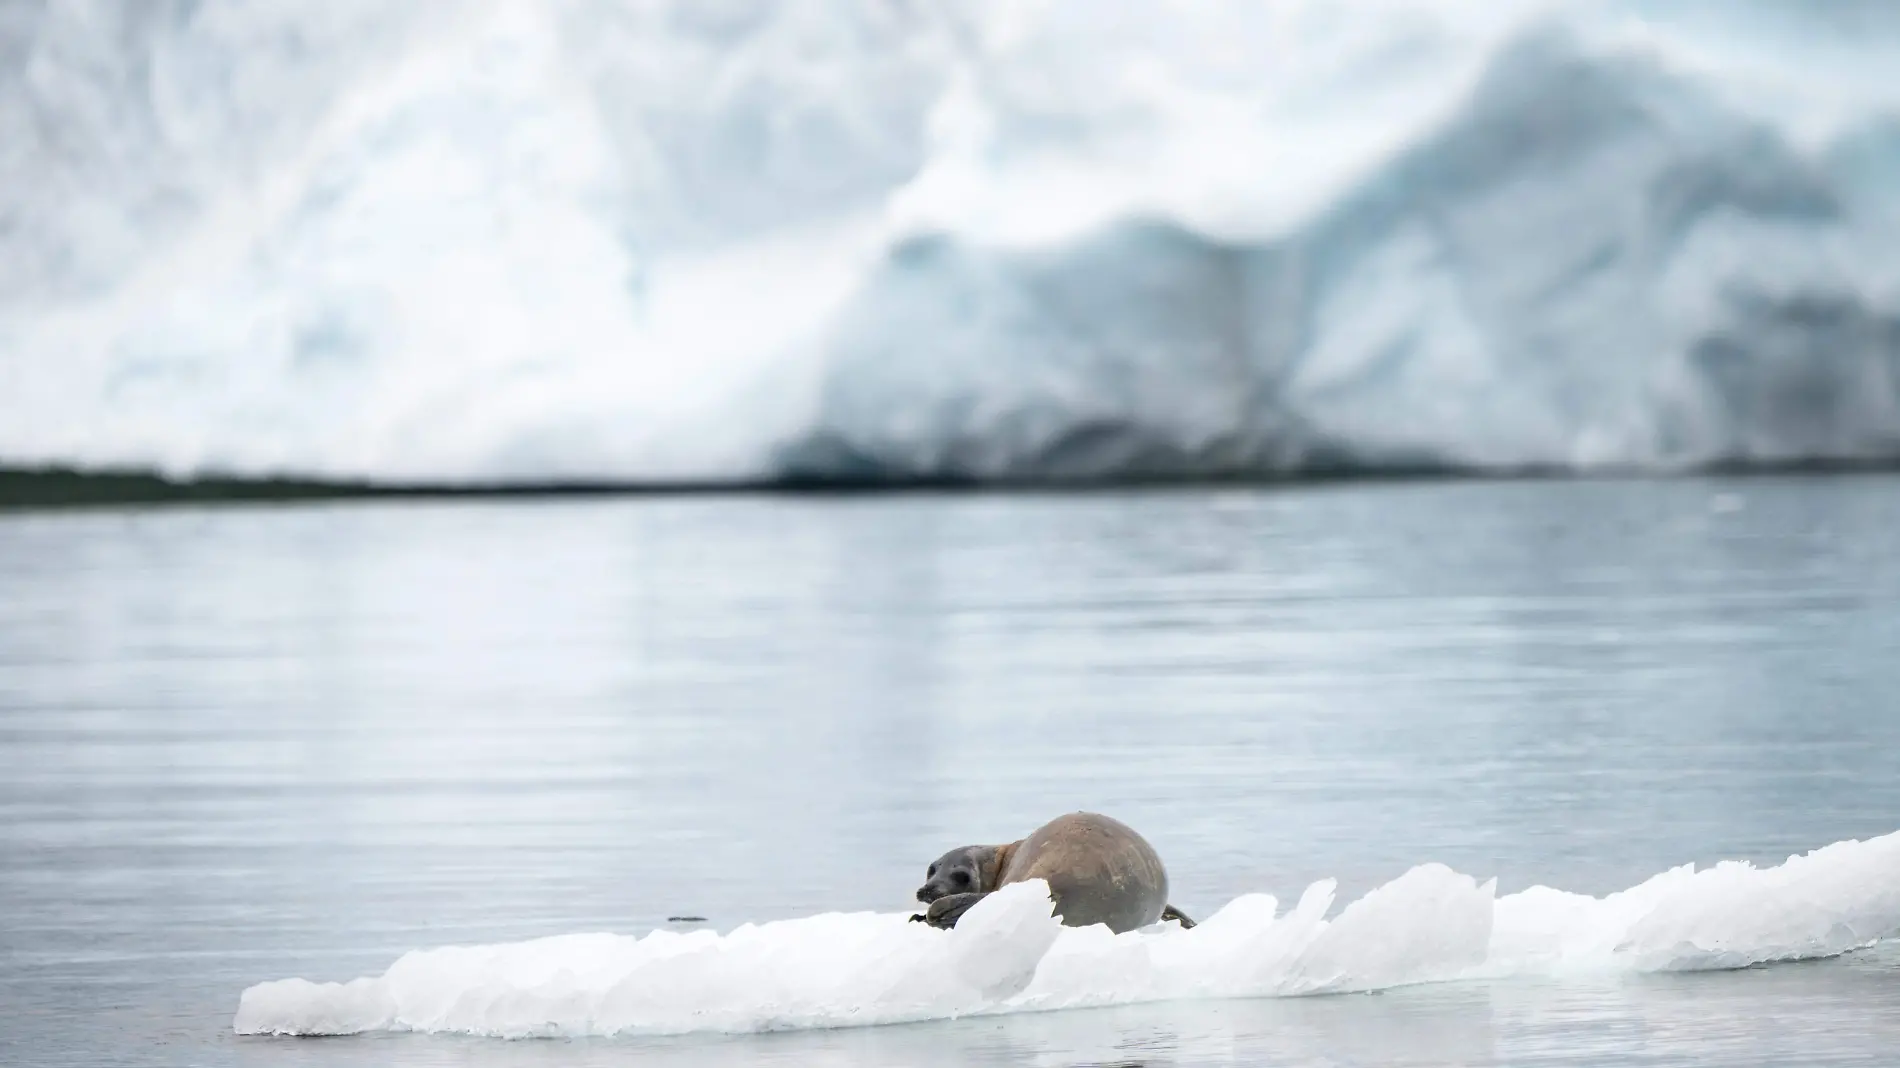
(886, 240)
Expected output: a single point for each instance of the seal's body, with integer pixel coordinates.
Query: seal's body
(1098, 870)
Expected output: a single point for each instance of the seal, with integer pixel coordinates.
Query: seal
(1098, 870)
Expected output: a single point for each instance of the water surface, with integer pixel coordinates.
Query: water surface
(243, 743)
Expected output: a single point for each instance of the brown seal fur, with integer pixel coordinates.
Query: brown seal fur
(1098, 870)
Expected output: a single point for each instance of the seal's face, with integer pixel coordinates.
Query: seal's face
(959, 871)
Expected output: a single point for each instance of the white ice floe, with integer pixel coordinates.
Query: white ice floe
(1010, 955)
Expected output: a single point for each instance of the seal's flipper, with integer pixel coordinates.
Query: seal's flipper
(1172, 913)
(945, 911)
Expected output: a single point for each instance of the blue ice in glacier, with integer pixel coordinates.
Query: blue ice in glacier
(684, 240)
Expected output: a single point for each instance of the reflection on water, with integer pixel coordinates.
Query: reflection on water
(246, 743)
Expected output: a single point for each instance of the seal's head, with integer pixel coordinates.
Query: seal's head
(967, 870)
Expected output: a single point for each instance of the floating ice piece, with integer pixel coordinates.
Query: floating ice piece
(1009, 954)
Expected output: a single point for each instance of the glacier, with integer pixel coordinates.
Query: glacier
(648, 241)
(1010, 955)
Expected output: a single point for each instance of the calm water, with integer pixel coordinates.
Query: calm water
(246, 743)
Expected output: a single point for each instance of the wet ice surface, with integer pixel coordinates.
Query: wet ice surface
(247, 744)
(1841, 1013)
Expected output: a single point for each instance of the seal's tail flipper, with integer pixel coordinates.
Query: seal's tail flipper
(1172, 913)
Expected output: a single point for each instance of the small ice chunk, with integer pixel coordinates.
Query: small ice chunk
(301, 1007)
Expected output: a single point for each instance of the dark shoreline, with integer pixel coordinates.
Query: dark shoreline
(64, 487)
